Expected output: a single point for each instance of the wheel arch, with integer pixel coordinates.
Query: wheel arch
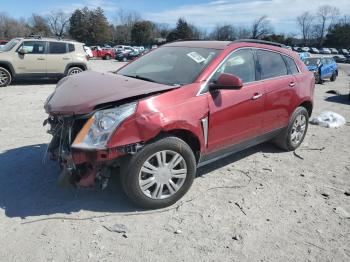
(307, 104)
(187, 136)
(8, 66)
(70, 65)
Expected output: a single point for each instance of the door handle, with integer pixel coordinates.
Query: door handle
(256, 96)
(41, 58)
(292, 84)
(65, 58)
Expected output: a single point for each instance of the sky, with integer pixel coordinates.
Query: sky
(204, 14)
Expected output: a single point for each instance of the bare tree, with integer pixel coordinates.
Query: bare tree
(10, 27)
(124, 23)
(326, 16)
(224, 32)
(58, 22)
(38, 25)
(261, 27)
(305, 23)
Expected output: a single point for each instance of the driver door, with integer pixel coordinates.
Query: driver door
(34, 61)
(236, 115)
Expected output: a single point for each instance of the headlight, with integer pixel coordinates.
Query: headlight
(97, 131)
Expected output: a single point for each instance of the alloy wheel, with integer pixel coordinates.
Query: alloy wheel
(298, 130)
(75, 71)
(3, 78)
(162, 174)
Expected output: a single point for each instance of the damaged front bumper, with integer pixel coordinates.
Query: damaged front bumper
(82, 167)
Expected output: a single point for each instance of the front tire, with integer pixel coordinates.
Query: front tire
(107, 57)
(74, 71)
(5, 77)
(292, 137)
(160, 174)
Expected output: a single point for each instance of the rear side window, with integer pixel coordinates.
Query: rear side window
(57, 48)
(71, 48)
(293, 69)
(271, 64)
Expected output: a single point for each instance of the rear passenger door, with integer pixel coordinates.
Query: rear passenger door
(58, 57)
(280, 89)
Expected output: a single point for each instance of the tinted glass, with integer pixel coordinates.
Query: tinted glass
(171, 65)
(271, 64)
(71, 48)
(312, 61)
(293, 69)
(34, 47)
(57, 48)
(240, 63)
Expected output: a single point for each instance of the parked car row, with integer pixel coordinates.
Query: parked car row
(324, 50)
(120, 52)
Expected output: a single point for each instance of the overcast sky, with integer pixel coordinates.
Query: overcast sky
(205, 14)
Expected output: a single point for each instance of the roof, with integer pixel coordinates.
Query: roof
(201, 44)
(38, 38)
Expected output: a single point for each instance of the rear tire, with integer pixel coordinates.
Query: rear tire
(318, 79)
(107, 57)
(5, 77)
(334, 76)
(150, 179)
(74, 70)
(292, 137)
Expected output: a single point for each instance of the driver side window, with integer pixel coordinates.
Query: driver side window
(240, 63)
(34, 47)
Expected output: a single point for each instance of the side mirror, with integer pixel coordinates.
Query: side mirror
(23, 51)
(227, 81)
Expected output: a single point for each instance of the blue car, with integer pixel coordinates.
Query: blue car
(304, 55)
(323, 67)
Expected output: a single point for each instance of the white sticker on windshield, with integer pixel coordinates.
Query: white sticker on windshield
(196, 57)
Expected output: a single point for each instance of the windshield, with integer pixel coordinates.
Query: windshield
(9, 45)
(312, 61)
(171, 65)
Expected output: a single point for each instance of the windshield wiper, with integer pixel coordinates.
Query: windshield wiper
(141, 78)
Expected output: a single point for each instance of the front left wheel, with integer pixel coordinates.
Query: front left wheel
(160, 174)
(5, 77)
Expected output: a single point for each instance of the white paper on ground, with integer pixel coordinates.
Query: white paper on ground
(329, 119)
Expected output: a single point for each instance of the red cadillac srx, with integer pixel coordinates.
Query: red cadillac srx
(183, 105)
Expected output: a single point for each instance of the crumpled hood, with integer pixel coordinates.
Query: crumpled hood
(312, 68)
(79, 94)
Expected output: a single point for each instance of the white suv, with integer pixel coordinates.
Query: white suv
(40, 58)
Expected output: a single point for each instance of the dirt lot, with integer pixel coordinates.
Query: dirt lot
(259, 205)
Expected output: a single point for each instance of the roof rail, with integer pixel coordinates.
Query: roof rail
(34, 36)
(257, 41)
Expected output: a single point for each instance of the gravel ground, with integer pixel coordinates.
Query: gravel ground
(262, 204)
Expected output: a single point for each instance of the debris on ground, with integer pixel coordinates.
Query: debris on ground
(341, 212)
(241, 208)
(178, 232)
(297, 155)
(328, 119)
(118, 228)
(236, 237)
